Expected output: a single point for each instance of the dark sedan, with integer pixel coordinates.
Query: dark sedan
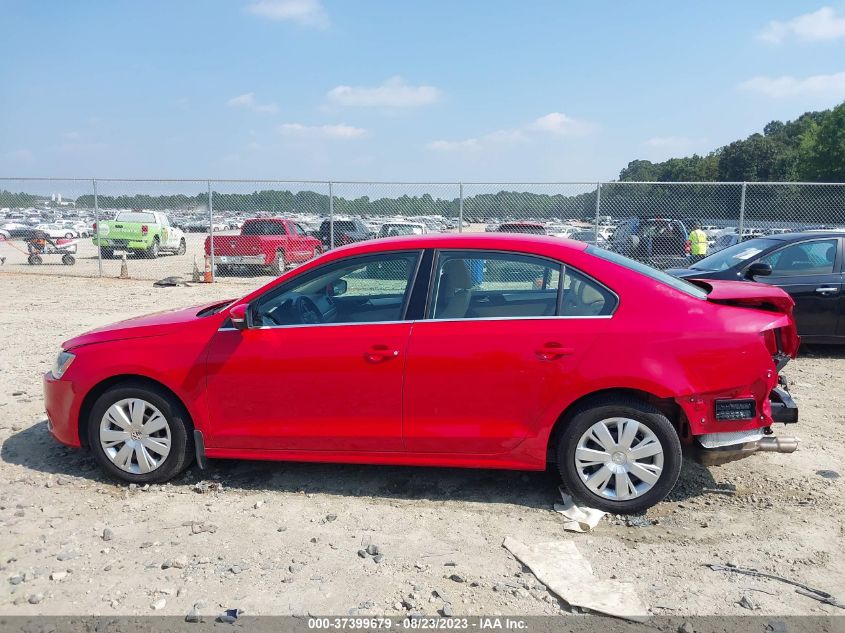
(809, 266)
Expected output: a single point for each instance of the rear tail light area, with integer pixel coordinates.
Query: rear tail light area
(736, 409)
(770, 340)
(144, 229)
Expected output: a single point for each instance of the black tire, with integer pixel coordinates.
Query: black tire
(68, 260)
(647, 415)
(181, 432)
(106, 253)
(183, 247)
(35, 260)
(69, 236)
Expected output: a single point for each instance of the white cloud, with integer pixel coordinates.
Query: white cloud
(559, 124)
(821, 25)
(832, 86)
(554, 124)
(304, 12)
(248, 101)
(393, 93)
(332, 132)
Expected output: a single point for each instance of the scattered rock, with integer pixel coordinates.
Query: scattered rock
(204, 486)
(258, 504)
(159, 604)
(446, 611)
(67, 555)
(35, 598)
(58, 575)
(457, 578)
(16, 579)
(378, 558)
(828, 474)
(686, 627)
(637, 521)
(108, 534)
(362, 553)
(373, 549)
(746, 603)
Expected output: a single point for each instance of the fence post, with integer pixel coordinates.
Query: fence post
(598, 210)
(97, 232)
(211, 232)
(331, 216)
(460, 207)
(741, 212)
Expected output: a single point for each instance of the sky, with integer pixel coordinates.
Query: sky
(476, 90)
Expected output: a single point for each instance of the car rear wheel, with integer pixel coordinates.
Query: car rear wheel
(140, 434)
(278, 265)
(619, 455)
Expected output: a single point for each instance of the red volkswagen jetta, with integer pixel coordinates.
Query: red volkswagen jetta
(487, 351)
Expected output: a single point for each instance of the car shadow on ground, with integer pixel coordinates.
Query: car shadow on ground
(34, 449)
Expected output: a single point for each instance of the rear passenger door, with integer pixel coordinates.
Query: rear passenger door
(489, 361)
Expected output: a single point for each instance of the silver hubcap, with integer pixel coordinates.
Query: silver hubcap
(135, 436)
(619, 459)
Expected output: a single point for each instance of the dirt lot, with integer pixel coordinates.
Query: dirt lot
(283, 538)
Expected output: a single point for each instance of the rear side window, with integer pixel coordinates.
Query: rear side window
(483, 285)
(263, 228)
(658, 275)
(807, 258)
(583, 296)
(135, 216)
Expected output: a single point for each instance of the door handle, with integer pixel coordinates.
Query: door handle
(380, 353)
(827, 290)
(553, 351)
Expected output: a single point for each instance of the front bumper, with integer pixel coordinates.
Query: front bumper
(61, 406)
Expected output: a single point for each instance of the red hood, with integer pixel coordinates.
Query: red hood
(156, 324)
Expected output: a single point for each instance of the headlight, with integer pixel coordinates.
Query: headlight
(62, 363)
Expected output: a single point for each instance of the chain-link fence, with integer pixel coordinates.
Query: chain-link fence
(233, 231)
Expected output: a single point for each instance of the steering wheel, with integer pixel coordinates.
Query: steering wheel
(307, 311)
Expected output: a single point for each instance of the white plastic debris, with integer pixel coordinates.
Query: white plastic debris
(561, 567)
(578, 518)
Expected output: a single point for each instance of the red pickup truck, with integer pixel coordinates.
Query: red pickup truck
(264, 243)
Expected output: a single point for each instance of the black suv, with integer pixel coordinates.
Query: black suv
(345, 232)
(659, 242)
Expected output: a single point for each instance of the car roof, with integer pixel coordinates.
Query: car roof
(494, 241)
(803, 235)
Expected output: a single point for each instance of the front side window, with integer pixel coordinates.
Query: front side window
(807, 258)
(368, 289)
(481, 284)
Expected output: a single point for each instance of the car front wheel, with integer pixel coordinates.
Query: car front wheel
(619, 455)
(139, 434)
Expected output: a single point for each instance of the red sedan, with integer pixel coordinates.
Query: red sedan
(486, 351)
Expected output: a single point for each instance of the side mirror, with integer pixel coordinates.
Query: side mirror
(758, 269)
(238, 316)
(339, 287)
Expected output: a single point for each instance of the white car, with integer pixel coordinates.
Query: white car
(57, 231)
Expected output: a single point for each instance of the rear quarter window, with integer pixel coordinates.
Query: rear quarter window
(658, 275)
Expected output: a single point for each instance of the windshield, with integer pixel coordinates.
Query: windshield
(733, 255)
(658, 275)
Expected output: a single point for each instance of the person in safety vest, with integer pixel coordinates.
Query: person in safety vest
(697, 243)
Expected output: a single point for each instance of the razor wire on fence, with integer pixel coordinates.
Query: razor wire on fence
(239, 230)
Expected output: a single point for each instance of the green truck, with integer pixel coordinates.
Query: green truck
(144, 233)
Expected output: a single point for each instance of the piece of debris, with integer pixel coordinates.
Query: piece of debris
(193, 615)
(170, 282)
(199, 528)
(828, 474)
(746, 603)
(637, 521)
(229, 616)
(804, 590)
(204, 486)
(578, 518)
(564, 571)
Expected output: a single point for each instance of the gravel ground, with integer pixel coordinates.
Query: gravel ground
(281, 538)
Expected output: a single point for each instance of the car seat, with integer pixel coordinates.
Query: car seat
(454, 293)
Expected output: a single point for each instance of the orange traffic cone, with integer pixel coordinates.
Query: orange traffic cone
(207, 274)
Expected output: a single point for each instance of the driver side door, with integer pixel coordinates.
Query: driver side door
(321, 366)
